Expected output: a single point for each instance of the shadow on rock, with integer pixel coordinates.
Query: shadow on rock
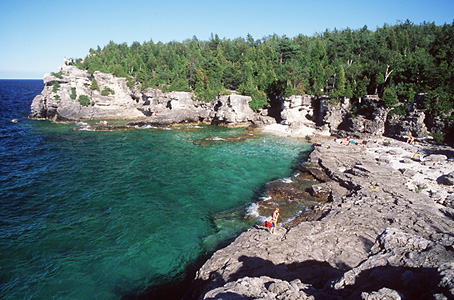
(410, 283)
(312, 272)
(328, 281)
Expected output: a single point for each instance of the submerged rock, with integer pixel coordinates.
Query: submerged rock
(210, 141)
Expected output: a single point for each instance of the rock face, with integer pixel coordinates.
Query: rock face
(412, 123)
(298, 111)
(119, 101)
(57, 103)
(379, 239)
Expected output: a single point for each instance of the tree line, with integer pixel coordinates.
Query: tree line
(394, 61)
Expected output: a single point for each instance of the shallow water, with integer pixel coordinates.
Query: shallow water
(106, 215)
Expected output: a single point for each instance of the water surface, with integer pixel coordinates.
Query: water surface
(111, 215)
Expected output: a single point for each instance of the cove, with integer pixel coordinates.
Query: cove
(125, 214)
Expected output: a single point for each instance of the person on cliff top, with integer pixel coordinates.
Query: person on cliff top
(274, 218)
(411, 139)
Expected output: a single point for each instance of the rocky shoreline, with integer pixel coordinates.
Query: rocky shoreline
(387, 232)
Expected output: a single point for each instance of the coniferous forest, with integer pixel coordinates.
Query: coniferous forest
(396, 62)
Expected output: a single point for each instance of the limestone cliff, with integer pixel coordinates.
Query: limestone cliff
(63, 96)
(60, 98)
(73, 94)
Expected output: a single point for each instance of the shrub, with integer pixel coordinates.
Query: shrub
(333, 101)
(55, 87)
(83, 100)
(420, 187)
(400, 110)
(94, 85)
(259, 100)
(58, 75)
(73, 94)
(130, 83)
(107, 91)
(438, 137)
(438, 102)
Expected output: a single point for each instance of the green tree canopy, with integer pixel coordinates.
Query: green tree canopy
(405, 58)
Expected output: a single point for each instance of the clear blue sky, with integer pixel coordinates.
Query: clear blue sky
(36, 35)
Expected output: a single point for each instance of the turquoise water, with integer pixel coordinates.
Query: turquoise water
(112, 215)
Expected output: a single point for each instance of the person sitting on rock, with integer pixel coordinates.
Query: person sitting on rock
(274, 218)
(363, 143)
(411, 139)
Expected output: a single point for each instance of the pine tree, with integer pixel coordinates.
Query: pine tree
(94, 85)
(390, 97)
(341, 82)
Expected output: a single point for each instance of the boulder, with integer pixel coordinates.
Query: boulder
(449, 201)
(436, 157)
(232, 109)
(448, 179)
(372, 124)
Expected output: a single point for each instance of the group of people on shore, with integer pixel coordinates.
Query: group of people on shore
(349, 141)
(272, 223)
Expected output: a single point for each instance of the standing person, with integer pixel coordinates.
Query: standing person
(274, 218)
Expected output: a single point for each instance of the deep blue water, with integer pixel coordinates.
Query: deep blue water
(122, 214)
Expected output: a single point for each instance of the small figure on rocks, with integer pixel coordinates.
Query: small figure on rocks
(68, 61)
(274, 218)
(321, 145)
(411, 139)
(349, 141)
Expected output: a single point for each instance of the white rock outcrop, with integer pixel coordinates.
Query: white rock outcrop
(63, 94)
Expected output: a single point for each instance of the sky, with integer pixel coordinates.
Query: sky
(35, 35)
